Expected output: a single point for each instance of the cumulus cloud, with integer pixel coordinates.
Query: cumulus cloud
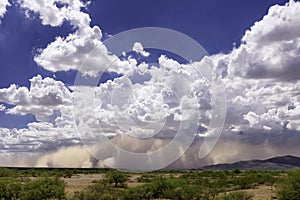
(138, 48)
(173, 93)
(271, 48)
(261, 104)
(3, 7)
(261, 75)
(42, 98)
(54, 12)
(68, 53)
(51, 104)
(38, 137)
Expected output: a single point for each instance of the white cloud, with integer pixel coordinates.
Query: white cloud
(51, 103)
(262, 75)
(44, 97)
(52, 14)
(171, 94)
(14, 95)
(38, 137)
(138, 48)
(294, 125)
(3, 7)
(257, 104)
(2, 107)
(271, 48)
(68, 53)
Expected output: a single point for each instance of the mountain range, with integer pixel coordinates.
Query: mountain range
(275, 163)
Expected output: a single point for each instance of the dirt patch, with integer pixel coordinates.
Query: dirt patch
(263, 192)
(133, 180)
(80, 182)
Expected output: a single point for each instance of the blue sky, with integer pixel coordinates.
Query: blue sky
(253, 51)
(214, 24)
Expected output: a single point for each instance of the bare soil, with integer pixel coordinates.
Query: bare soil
(263, 192)
(80, 182)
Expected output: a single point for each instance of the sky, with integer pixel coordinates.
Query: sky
(46, 117)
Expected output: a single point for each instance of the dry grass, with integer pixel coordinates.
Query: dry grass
(263, 192)
(80, 182)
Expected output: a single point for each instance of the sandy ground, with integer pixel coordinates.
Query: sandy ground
(263, 192)
(80, 181)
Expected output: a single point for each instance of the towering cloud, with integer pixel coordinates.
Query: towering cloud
(270, 49)
(263, 73)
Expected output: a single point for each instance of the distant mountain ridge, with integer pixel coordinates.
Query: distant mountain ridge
(275, 163)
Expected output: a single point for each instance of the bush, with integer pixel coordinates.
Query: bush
(167, 188)
(44, 188)
(10, 188)
(98, 191)
(153, 190)
(288, 188)
(4, 172)
(116, 178)
(142, 192)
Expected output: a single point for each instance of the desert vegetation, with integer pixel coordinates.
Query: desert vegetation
(35, 184)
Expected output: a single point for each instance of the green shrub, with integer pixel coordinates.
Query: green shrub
(288, 188)
(141, 192)
(44, 188)
(10, 188)
(98, 191)
(167, 188)
(4, 172)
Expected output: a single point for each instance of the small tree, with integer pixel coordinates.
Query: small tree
(116, 178)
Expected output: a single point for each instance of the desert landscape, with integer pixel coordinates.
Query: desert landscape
(219, 182)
